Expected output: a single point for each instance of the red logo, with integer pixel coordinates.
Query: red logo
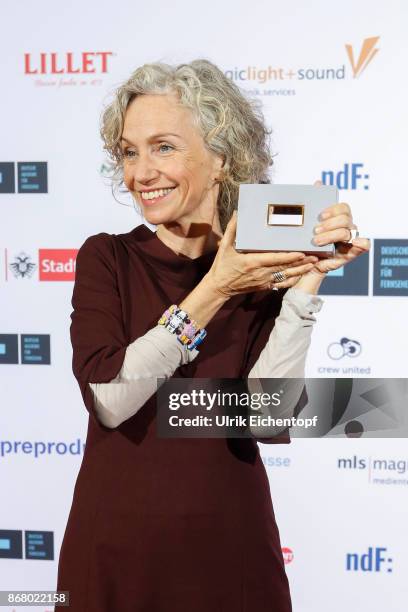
(87, 62)
(57, 264)
(287, 555)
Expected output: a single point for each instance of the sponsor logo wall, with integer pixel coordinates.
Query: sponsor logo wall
(329, 79)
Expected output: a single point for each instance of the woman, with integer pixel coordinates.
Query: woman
(180, 525)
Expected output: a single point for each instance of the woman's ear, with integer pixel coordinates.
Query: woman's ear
(218, 168)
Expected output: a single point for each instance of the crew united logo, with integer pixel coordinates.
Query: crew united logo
(22, 266)
(346, 347)
(367, 53)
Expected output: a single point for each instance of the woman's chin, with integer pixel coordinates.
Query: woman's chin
(156, 217)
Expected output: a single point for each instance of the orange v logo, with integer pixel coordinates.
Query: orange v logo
(366, 55)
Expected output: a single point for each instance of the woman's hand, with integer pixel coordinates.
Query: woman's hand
(336, 223)
(233, 273)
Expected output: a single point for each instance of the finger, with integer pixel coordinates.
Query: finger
(339, 235)
(309, 259)
(290, 282)
(334, 223)
(260, 260)
(230, 232)
(289, 273)
(335, 209)
(362, 243)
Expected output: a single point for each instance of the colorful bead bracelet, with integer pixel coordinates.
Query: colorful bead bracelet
(178, 322)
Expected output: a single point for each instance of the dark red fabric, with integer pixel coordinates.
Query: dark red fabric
(156, 524)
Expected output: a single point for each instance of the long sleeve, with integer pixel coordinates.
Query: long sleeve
(158, 354)
(155, 355)
(284, 357)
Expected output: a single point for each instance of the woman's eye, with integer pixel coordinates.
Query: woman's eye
(169, 147)
(128, 153)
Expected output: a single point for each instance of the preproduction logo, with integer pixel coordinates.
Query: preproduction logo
(375, 559)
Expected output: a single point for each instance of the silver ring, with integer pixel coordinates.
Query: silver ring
(353, 234)
(279, 277)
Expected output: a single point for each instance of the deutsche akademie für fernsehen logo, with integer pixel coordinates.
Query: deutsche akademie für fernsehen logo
(39, 545)
(35, 349)
(7, 177)
(22, 266)
(391, 267)
(32, 177)
(348, 280)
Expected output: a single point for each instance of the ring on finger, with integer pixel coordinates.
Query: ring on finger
(353, 234)
(278, 277)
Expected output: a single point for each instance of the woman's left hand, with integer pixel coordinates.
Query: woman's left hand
(336, 223)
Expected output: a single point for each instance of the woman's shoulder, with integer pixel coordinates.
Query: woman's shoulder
(106, 243)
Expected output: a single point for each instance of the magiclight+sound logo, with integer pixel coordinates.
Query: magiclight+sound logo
(367, 53)
(284, 75)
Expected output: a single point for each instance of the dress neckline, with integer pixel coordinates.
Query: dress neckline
(161, 249)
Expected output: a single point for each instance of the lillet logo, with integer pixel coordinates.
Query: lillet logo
(367, 53)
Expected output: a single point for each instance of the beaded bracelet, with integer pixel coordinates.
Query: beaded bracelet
(178, 322)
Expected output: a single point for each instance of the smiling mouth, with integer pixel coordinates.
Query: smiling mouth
(156, 195)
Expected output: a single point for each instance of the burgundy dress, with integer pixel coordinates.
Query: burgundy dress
(156, 524)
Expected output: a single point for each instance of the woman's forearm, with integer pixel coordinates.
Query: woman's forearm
(155, 355)
(203, 302)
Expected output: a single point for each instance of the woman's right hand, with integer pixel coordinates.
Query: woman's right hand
(233, 272)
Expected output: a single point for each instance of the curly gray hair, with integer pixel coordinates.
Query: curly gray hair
(232, 125)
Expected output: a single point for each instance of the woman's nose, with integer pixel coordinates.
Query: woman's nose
(144, 169)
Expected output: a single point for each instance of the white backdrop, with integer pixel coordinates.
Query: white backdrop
(325, 120)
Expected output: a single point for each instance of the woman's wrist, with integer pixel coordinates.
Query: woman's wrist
(311, 281)
(204, 301)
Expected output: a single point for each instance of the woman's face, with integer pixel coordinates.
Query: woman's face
(163, 150)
